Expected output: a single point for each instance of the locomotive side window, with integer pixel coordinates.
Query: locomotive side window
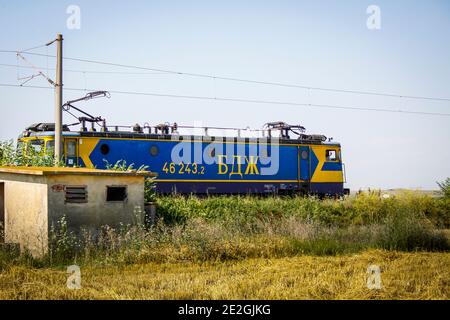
(104, 149)
(154, 151)
(304, 154)
(331, 155)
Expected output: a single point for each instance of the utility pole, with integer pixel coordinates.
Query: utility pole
(58, 99)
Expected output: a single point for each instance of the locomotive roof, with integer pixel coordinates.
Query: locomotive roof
(132, 135)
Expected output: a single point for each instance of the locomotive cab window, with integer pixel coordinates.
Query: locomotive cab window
(37, 145)
(331, 155)
(50, 145)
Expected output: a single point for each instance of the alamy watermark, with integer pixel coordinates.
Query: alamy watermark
(74, 278)
(374, 20)
(374, 277)
(73, 22)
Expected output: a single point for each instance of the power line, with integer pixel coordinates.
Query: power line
(32, 48)
(28, 49)
(243, 100)
(82, 71)
(37, 69)
(279, 84)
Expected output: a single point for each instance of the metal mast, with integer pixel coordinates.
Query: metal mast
(58, 100)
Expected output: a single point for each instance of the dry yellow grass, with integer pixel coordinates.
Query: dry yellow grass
(404, 276)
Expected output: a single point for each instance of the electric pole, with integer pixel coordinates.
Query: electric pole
(58, 100)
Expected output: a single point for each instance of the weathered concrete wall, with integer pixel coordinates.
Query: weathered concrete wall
(35, 201)
(25, 207)
(97, 211)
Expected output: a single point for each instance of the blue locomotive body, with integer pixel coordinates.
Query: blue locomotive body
(208, 165)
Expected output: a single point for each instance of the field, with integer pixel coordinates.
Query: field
(251, 248)
(404, 276)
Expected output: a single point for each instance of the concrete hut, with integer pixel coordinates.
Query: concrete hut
(33, 199)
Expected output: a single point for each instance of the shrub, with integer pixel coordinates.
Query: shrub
(407, 230)
(445, 188)
(25, 155)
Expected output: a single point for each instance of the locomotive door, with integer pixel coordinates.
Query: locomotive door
(71, 152)
(305, 167)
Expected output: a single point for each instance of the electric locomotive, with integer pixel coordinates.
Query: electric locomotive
(282, 159)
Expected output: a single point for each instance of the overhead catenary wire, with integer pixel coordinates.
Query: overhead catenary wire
(36, 47)
(32, 48)
(279, 84)
(83, 71)
(288, 103)
(40, 73)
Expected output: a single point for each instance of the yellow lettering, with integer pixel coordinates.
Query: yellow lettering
(194, 168)
(223, 167)
(239, 172)
(251, 166)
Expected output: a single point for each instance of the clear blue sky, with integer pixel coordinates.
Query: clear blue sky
(315, 43)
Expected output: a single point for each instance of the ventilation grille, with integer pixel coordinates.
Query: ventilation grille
(76, 194)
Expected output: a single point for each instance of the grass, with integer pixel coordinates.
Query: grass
(241, 247)
(238, 228)
(417, 275)
(365, 209)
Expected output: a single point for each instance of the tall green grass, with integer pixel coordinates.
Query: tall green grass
(238, 227)
(248, 212)
(235, 228)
